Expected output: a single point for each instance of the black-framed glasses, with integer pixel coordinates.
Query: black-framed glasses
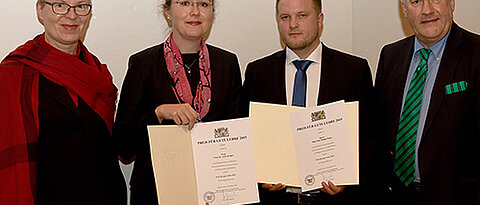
(60, 8)
(200, 4)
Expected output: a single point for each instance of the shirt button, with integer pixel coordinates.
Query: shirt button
(181, 95)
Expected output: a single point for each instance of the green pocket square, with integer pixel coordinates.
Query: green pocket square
(456, 87)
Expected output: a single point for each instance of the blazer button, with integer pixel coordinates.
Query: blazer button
(390, 188)
(391, 153)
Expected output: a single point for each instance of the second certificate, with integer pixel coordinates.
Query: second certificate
(323, 145)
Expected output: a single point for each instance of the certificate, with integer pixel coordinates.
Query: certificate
(274, 146)
(213, 163)
(224, 162)
(323, 146)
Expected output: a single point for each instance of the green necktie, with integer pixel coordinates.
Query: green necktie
(407, 129)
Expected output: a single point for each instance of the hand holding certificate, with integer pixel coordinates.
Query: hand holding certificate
(295, 157)
(213, 164)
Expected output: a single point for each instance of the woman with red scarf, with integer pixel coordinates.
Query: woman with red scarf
(57, 104)
(181, 81)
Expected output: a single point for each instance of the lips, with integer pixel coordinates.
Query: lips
(429, 21)
(194, 23)
(70, 27)
(295, 34)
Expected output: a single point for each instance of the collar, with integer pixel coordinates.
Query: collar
(437, 48)
(314, 56)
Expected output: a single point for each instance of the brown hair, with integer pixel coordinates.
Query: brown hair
(317, 3)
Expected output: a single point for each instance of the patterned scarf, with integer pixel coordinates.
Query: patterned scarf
(181, 86)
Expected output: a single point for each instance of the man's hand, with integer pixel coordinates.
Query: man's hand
(274, 187)
(331, 188)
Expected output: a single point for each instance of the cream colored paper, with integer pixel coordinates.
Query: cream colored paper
(274, 148)
(174, 167)
(172, 160)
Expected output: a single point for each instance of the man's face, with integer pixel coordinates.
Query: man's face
(299, 24)
(430, 19)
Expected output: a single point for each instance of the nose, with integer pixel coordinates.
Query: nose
(427, 7)
(71, 14)
(293, 22)
(195, 10)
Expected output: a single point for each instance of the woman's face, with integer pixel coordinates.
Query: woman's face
(190, 19)
(63, 30)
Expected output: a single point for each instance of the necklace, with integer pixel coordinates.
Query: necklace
(189, 68)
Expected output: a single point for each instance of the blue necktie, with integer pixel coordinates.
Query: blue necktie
(300, 85)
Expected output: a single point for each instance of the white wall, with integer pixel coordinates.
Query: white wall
(377, 23)
(123, 27)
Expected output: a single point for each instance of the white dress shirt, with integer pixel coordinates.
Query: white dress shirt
(313, 75)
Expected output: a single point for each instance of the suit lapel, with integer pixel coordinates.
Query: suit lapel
(328, 75)
(447, 69)
(59, 94)
(278, 77)
(398, 78)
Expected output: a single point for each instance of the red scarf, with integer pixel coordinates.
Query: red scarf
(19, 73)
(181, 86)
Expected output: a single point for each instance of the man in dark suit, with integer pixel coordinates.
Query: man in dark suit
(331, 76)
(428, 89)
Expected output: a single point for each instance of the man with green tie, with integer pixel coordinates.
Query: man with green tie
(428, 92)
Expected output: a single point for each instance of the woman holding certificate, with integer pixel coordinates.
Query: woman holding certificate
(181, 81)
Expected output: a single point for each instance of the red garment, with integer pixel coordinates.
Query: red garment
(19, 74)
(181, 86)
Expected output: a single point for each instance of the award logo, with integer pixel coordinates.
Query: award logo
(310, 180)
(320, 115)
(209, 197)
(221, 132)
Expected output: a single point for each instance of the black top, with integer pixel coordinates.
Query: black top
(192, 70)
(76, 163)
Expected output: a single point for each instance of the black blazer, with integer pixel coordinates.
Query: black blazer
(147, 86)
(448, 157)
(343, 77)
(76, 162)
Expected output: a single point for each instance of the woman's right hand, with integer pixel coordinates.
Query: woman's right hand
(182, 114)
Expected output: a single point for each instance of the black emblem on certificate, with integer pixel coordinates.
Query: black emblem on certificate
(209, 197)
(309, 180)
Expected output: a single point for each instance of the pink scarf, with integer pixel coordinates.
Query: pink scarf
(181, 86)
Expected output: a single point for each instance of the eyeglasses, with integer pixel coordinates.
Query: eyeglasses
(200, 4)
(63, 8)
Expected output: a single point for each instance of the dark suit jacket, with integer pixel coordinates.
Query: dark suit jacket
(76, 162)
(146, 86)
(448, 161)
(343, 77)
